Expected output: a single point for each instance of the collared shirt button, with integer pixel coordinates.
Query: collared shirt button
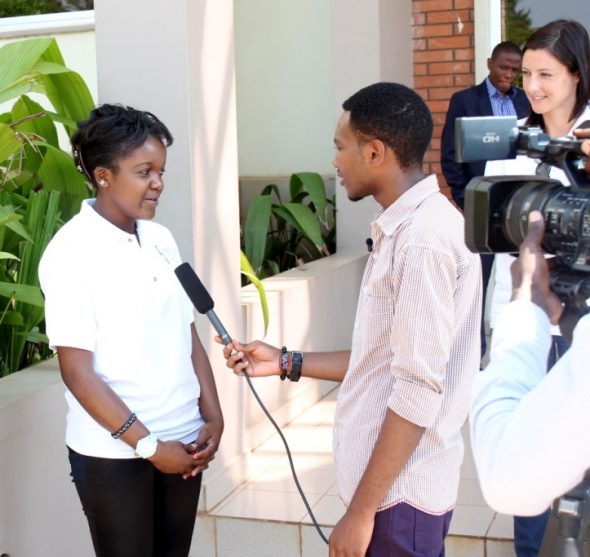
(130, 239)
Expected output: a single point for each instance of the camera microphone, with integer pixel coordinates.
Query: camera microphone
(200, 298)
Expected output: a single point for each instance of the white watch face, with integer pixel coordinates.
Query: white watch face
(147, 446)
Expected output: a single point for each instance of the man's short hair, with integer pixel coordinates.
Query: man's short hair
(394, 114)
(506, 46)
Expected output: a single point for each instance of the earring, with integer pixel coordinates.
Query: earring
(101, 182)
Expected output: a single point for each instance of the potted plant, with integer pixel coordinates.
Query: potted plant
(281, 235)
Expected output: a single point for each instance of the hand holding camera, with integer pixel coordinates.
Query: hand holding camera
(530, 272)
(584, 133)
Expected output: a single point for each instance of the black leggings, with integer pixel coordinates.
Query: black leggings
(134, 510)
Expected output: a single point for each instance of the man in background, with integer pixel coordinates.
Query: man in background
(496, 95)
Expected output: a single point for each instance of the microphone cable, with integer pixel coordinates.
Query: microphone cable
(204, 304)
(288, 451)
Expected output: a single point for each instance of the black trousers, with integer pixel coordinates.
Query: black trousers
(133, 509)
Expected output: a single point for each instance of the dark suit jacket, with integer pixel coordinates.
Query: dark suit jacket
(474, 101)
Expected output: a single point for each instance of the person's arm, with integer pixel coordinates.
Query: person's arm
(397, 441)
(527, 436)
(210, 434)
(262, 360)
(103, 404)
(584, 133)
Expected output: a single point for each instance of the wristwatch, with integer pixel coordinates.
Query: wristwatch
(147, 446)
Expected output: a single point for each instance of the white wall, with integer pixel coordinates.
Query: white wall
(371, 42)
(284, 86)
(40, 513)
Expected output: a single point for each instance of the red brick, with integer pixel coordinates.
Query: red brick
(433, 56)
(422, 92)
(462, 41)
(420, 69)
(463, 4)
(467, 29)
(464, 54)
(439, 119)
(445, 190)
(431, 156)
(464, 80)
(418, 19)
(437, 132)
(431, 5)
(419, 44)
(442, 68)
(441, 93)
(448, 17)
(433, 31)
(435, 144)
(436, 168)
(434, 81)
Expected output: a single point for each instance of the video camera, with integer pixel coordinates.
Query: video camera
(497, 207)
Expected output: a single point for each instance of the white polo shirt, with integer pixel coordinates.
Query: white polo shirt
(120, 299)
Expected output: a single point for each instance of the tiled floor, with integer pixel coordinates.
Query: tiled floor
(266, 516)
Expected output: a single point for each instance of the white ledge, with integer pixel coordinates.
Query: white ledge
(46, 24)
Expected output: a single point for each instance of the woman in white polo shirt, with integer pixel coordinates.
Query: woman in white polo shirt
(144, 418)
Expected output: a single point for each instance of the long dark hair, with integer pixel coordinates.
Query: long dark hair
(568, 41)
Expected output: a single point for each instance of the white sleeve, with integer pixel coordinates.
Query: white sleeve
(69, 310)
(529, 430)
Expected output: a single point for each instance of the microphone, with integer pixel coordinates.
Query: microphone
(204, 304)
(369, 242)
(200, 298)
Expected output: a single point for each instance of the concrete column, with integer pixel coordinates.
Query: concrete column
(176, 59)
(371, 42)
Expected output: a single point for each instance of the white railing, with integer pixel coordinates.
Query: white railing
(46, 24)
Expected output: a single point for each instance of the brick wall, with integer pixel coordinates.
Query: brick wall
(444, 61)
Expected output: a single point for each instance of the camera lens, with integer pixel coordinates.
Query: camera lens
(566, 214)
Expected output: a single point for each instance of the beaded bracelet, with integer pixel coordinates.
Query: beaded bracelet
(124, 427)
(283, 362)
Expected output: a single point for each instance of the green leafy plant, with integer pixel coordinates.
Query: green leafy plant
(278, 236)
(39, 186)
(249, 274)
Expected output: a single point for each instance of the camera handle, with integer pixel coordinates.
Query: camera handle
(573, 289)
(566, 154)
(568, 531)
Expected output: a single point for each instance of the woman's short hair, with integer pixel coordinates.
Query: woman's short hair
(111, 133)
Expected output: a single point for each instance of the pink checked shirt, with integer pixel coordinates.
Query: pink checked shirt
(415, 348)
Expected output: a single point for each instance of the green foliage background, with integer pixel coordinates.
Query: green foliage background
(517, 23)
(40, 187)
(14, 8)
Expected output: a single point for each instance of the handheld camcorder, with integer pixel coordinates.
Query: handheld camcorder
(497, 207)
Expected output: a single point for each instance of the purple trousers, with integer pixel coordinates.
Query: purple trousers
(403, 531)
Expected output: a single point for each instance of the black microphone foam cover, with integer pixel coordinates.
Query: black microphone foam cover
(194, 288)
